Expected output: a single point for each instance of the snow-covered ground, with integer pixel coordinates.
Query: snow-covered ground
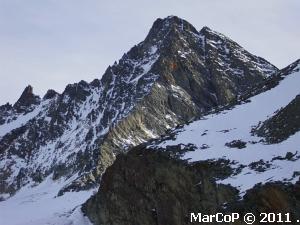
(20, 120)
(40, 205)
(216, 130)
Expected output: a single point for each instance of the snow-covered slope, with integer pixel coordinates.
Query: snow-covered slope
(40, 205)
(229, 135)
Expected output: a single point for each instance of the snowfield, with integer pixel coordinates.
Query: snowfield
(215, 130)
(40, 205)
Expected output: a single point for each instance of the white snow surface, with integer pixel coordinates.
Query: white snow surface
(21, 119)
(39, 205)
(236, 124)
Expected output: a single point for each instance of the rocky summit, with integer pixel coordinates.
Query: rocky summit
(183, 122)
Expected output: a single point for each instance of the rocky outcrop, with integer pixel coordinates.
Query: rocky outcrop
(149, 187)
(50, 94)
(282, 125)
(5, 110)
(27, 100)
(153, 187)
(273, 198)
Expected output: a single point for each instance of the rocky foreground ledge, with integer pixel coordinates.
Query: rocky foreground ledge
(152, 187)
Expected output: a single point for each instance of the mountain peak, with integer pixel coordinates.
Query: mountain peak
(27, 99)
(50, 94)
(174, 21)
(206, 29)
(170, 20)
(161, 27)
(28, 90)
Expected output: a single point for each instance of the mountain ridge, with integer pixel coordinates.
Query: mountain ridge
(173, 76)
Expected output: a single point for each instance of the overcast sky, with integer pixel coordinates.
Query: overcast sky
(50, 43)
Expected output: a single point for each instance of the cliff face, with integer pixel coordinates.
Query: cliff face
(174, 75)
(150, 187)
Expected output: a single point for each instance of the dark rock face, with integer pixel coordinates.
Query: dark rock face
(173, 76)
(281, 126)
(4, 112)
(151, 187)
(27, 100)
(236, 144)
(50, 94)
(148, 187)
(272, 198)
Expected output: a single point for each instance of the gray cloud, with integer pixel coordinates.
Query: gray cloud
(51, 43)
